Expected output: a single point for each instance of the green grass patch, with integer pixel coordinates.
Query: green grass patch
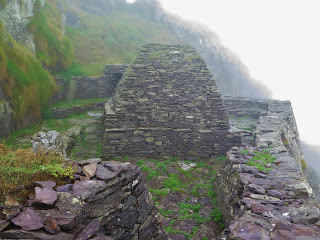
(174, 183)
(26, 84)
(261, 159)
(53, 48)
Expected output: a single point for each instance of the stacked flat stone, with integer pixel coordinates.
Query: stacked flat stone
(167, 104)
(268, 205)
(109, 200)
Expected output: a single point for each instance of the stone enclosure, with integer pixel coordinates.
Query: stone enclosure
(167, 104)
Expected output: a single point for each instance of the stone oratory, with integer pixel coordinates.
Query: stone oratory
(167, 104)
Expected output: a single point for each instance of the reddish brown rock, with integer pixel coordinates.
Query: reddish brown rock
(88, 188)
(259, 208)
(45, 196)
(51, 225)
(28, 220)
(249, 231)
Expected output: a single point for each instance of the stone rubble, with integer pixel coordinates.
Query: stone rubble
(113, 203)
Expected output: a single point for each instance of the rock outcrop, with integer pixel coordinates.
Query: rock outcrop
(16, 17)
(167, 104)
(109, 200)
(262, 189)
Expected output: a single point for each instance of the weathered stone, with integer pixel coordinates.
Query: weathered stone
(89, 230)
(88, 188)
(259, 208)
(105, 174)
(3, 224)
(65, 188)
(44, 196)
(249, 231)
(39, 235)
(11, 208)
(28, 220)
(45, 184)
(257, 188)
(90, 169)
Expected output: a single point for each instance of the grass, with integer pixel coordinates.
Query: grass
(194, 183)
(261, 160)
(23, 166)
(113, 39)
(26, 84)
(53, 48)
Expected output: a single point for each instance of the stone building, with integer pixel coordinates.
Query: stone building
(167, 104)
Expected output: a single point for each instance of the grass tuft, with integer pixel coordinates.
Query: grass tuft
(24, 166)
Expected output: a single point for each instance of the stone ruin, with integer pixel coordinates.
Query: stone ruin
(167, 104)
(107, 201)
(272, 202)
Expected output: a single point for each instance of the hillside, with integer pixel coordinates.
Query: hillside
(113, 39)
(79, 37)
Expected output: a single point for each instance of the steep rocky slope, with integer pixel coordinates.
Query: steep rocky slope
(231, 75)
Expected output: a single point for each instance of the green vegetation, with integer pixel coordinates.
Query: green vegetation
(22, 167)
(304, 164)
(261, 160)
(113, 39)
(24, 81)
(166, 179)
(3, 3)
(59, 125)
(53, 49)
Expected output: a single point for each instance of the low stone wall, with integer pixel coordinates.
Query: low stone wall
(109, 200)
(94, 87)
(270, 198)
(66, 112)
(158, 142)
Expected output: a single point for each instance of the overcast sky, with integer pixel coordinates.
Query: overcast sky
(278, 40)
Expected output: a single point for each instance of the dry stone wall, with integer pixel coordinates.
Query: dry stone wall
(99, 87)
(109, 200)
(264, 197)
(167, 104)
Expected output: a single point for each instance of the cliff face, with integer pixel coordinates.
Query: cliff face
(15, 17)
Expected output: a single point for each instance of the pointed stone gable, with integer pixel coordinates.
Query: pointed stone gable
(167, 104)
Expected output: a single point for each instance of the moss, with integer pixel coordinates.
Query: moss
(24, 81)
(53, 49)
(3, 3)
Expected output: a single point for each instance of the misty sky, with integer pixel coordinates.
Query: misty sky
(279, 42)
